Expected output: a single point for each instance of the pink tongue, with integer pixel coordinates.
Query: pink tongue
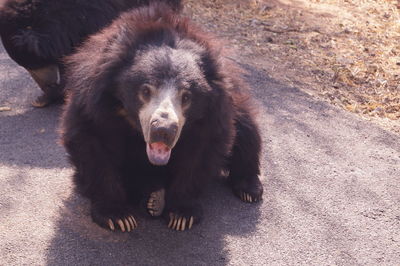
(158, 153)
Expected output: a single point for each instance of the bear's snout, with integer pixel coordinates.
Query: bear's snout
(163, 135)
(163, 130)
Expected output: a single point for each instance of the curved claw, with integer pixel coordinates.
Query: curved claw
(128, 225)
(121, 225)
(178, 225)
(183, 224)
(133, 221)
(171, 219)
(175, 222)
(111, 225)
(191, 220)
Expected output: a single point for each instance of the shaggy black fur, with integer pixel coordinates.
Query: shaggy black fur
(38, 33)
(106, 145)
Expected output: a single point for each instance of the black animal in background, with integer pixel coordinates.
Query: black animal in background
(155, 111)
(38, 33)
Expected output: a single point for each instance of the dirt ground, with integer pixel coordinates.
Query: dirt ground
(346, 52)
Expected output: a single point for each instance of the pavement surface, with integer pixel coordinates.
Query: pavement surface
(332, 193)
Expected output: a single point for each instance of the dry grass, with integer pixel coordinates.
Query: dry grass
(344, 51)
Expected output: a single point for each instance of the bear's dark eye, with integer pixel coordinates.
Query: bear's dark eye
(145, 93)
(186, 97)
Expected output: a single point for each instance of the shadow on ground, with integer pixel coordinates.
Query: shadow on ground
(79, 241)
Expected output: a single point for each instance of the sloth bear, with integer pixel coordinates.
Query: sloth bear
(38, 33)
(154, 111)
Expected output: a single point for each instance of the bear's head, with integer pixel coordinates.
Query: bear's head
(162, 89)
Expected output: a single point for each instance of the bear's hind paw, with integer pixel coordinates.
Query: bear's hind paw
(247, 197)
(156, 203)
(249, 190)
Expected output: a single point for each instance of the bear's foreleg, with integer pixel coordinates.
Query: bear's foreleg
(98, 176)
(244, 163)
(182, 208)
(192, 168)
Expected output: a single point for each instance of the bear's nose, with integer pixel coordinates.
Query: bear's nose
(163, 131)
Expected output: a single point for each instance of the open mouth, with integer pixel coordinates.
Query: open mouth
(158, 153)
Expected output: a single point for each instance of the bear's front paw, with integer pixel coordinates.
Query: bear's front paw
(248, 190)
(124, 224)
(181, 218)
(116, 220)
(156, 203)
(179, 222)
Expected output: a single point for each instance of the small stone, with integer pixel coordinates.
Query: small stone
(5, 108)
